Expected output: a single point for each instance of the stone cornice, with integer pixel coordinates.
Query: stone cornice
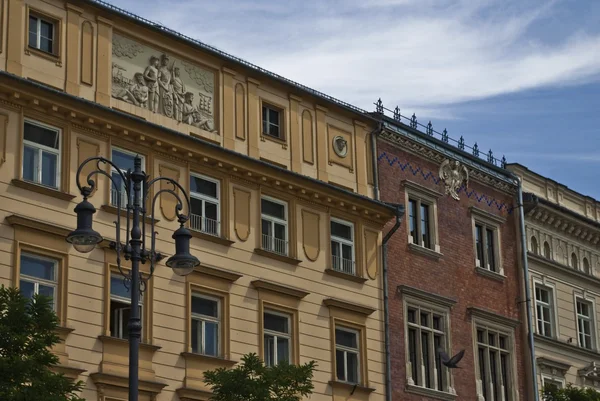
(350, 306)
(24, 221)
(492, 316)
(569, 348)
(416, 143)
(563, 268)
(552, 364)
(279, 288)
(427, 296)
(218, 272)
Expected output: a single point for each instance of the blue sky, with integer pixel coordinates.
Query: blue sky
(521, 77)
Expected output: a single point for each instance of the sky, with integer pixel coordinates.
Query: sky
(520, 77)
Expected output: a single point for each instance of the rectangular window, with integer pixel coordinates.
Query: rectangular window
(585, 324)
(426, 335)
(124, 161)
(204, 199)
(544, 309)
(41, 154)
(271, 121)
(206, 322)
(486, 238)
(420, 222)
(38, 275)
(277, 337)
(42, 33)
(342, 246)
(274, 225)
(120, 306)
(493, 358)
(347, 357)
(552, 382)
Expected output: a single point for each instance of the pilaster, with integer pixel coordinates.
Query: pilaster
(253, 118)
(16, 33)
(322, 144)
(103, 71)
(228, 108)
(73, 48)
(295, 139)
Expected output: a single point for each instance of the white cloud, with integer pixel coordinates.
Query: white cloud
(418, 54)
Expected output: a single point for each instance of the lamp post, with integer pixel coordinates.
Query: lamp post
(136, 186)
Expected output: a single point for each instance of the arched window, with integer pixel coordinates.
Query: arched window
(586, 266)
(574, 261)
(534, 245)
(547, 252)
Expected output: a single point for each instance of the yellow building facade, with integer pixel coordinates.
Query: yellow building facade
(282, 210)
(563, 232)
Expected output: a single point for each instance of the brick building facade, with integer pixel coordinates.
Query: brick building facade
(454, 276)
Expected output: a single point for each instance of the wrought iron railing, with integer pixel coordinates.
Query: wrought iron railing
(275, 245)
(204, 224)
(343, 265)
(443, 136)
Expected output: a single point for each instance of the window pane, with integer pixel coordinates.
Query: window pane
(335, 249)
(41, 135)
(437, 344)
(340, 365)
(505, 378)
(346, 252)
(491, 259)
(274, 116)
(33, 29)
(27, 288)
(196, 335)
(119, 317)
(46, 291)
(283, 349)
(266, 228)
(30, 162)
(265, 112)
(123, 160)
(46, 29)
(341, 230)
(273, 209)
(46, 45)
(40, 268)
(269, 350)
(479, 244)
(425, 226)
(196, 205)
(352, 367)
(425, 355)
(412, 219)
(274, 130)
(280, 232)
(276, 323)
(211, 339)
(346, 338)
(49, 166)
(412, 353)
(425, 319)
(482, 372)
(411, 315)
(117, 287)
(202, 186)
(437, 322)
(210, 210)
(206, 307)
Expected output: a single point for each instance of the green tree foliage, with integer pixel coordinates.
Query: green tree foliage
(569, 393)
(251, 380)
(27, 332)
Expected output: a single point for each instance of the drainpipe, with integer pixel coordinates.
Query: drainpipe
(374, 134)
(527, 290)
(386, 312)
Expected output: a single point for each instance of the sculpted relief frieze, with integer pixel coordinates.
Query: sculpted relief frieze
(162, 84)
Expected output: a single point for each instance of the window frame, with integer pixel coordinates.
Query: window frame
(205, 198)
(113, 170)
(289, 336)
(36, 280)
(273, 221)
(593, 326)
(281, 121)
(42, 148)
(343, 241)
(219, 321)
(56, 22)
(552, 306)
(508, 351)
(489, 223)
(422, 195)
(346, 350)
(125, 301)
(545, 377)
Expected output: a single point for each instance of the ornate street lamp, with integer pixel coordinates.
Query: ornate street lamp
(136, 185)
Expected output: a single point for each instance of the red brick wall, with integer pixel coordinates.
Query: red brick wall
(453, 275)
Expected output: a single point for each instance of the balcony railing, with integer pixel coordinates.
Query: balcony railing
(275, 245)
(204, 224)
(343, 265)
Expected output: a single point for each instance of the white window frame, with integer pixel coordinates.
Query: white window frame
(39, 32)
(278, 334)
(124, 171)
(272, 221)
(117, 320)
(37, 281)
(552, 306)
(347, 350)
(42, 148)
(419, 201)
(205, 198)
(546, 377)
(485, 226)
(343, 241)
(591, 319)
(266, 130)
(204, 318)
(509, 350)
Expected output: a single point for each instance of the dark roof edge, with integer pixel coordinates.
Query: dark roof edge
(532, 200)
(220, 53)
(191, 138)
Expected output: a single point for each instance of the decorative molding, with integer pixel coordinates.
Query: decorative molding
(24, 221)
(294, 292)
(349, 306)
(477, 212)
(570, 226)
(569, 348)
(218, 272)
(493, 317)
(311, 239)
(426, 296)
(108, 381)
(563, 268)
(560, 367)
(413, 186)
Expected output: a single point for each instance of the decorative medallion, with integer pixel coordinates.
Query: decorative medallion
(453, 174)
(340, 146)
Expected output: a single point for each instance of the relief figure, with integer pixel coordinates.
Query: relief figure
(193, 115)
(164, 86)
(137, 93)
(151, 76)
(178, 88)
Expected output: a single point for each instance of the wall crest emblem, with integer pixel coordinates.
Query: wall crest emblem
(340, 146)
(453, 174)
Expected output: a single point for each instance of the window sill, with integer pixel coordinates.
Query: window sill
(490, 274)
(351, 387)
(40, 189)
(40, 53)
(113, 210)
(427, 392)
(208, 360)
(276, 256)
(211, 238)
(430, 253)
(346, 276)
(125, 343)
